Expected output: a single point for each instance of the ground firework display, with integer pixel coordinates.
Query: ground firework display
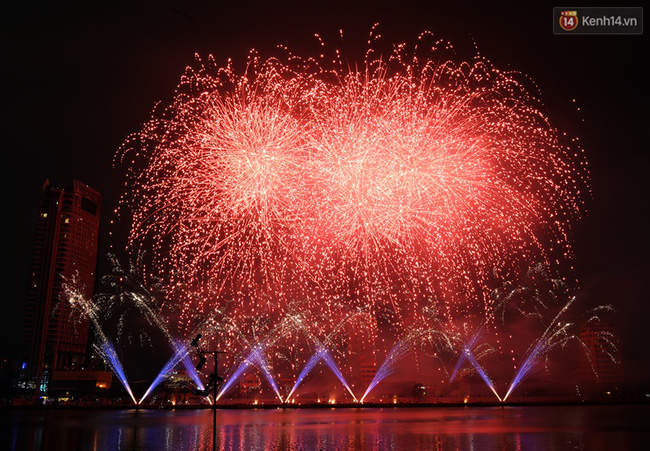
(321, 189)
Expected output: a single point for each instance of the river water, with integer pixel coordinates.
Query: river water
(443, 428)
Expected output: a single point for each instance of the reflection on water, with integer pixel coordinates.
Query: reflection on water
(444, 428)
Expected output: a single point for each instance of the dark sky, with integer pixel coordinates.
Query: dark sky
(77, 80)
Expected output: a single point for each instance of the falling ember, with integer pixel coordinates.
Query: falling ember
(410, 177)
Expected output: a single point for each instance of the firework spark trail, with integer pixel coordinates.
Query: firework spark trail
(321, 354)
(468, 347)
(254, 358)
(326, 356)
(432, 331)
(124, 289)
(311, 363)
(323, 346)
(470, 357)
(181, 352)
(262, 364)
(608, 339)
(243, 366)
(255, 348)
(190, 369)
(389, 366)
(533, 297)
(254, 351)
(105, 349)
(557, 334)
(414, 175)
(127, 287)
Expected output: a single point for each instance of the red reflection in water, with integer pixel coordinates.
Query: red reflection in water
(444, 428)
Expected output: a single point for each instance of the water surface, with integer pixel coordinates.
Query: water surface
(443, 428)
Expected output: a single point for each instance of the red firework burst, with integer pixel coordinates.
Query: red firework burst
(328, 188)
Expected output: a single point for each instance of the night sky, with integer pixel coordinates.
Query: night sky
(77, 81)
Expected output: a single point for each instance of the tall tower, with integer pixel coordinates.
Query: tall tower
(602, 369)
(361, 332)
(65, 247)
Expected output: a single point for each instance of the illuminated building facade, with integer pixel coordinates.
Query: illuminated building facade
(65, 248)
(601, 367)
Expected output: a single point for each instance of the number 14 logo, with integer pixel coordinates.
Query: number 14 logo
(569, 20)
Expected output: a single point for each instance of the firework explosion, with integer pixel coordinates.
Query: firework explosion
(310, 185)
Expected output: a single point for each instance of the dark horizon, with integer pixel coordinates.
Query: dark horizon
(79, 81)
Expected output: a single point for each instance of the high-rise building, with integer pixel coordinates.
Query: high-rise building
(600, 367)
(65, 249)
(361, 331)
